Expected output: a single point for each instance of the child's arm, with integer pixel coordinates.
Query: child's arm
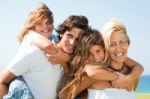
(44, 44)
(96, 72)
(56, 55)
(60, 58)
(86, 81)
(92, 74)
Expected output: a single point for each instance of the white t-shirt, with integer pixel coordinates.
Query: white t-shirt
(110, 93)
(32, 63)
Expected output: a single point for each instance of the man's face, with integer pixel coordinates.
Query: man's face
(69, 40)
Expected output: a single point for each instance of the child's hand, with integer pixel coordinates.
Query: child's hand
(59, 58)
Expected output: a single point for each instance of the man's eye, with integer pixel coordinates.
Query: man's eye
(69, 36)
(97, 51)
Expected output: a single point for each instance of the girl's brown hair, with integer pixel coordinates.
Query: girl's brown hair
(78, 62)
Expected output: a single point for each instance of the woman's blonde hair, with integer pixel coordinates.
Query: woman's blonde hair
(109, 28)
(37, 16)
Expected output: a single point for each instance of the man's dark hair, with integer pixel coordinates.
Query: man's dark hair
(72, 21)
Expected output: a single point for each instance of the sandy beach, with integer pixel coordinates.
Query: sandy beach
(143, 95)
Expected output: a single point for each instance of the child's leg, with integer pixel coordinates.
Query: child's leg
(18, 89)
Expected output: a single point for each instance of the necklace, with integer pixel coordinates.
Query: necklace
(118, 70)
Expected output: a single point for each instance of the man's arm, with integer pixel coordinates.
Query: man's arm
(5, 79)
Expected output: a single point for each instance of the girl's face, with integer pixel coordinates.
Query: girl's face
(96, 53)
(118, 47)
(44, 29)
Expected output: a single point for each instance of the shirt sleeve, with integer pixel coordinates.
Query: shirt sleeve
(24, 62)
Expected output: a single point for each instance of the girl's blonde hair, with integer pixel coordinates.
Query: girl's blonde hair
(37, 16)
(109, 28)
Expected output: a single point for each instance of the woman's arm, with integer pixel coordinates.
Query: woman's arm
(137, 69)
(133, 77)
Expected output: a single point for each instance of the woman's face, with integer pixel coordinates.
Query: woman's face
(118, 47)
(96, 53)
(44, 29)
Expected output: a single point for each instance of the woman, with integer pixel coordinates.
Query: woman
(117, 43)
(117, 60)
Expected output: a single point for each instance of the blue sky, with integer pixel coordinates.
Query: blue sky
(134, 14)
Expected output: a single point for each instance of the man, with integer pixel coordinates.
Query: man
(44, 85)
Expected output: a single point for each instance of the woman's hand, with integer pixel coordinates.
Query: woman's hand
(120, 82)
(130, 83)
(123, 82)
